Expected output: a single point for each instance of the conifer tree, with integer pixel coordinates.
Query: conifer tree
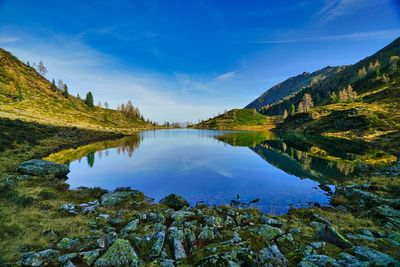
(65, 90)
(89, 99)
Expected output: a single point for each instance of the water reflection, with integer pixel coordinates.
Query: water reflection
(215, 166)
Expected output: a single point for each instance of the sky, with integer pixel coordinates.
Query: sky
(181, 60)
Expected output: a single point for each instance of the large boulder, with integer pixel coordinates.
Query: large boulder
(120, 253)
(174, 201)
(267, 232)
(272, 256)
(41, 167)
(329, 234)
(117, 197)
(374, 257)
(42, 258)
(316, 260)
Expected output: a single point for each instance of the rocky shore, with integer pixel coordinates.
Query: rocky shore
(129, 229)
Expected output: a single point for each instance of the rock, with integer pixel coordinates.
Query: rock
(181, 216)
(167, 263)
(325, 187)
(229, 222)
(394, 238)
(213, 221)
(107, 240)
(117, 197)
(295, 230)
(174, 201)
(120, 253)
(42, 258)
(374, 257)
(68, 264)
(156, 217)
(179, 250)
(41, 167)
(190, 238)
(267, 232)
(348, 260)
(386, 211)
(152, 244)
(68, 244)
(315, 260)
(89, 257)
(89, 207)
(272, 257)
(318, 245)
(286, 240)
(329, 234)
(271, 221)
(69, 208)
(67, 257)
(130, 227)
(207, 233)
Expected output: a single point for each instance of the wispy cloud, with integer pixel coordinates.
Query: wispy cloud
(225, 76)
(83, 69)
(355, 36)
(5, 39)
(334, 9)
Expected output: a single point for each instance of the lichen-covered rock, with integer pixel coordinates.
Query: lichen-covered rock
(89, 257)
(374, 257)
(348, 260)
(117, 197)
(156, 217)
(272, 257)
(43, 258)
(386, 211)
(213, 221)
(120, 253)
(315, 260)
(70, 208)
(68, 244)
(130, 227)
(174, 201)
(207, 233)
(41, 167)
(267, 232)
(67, 257)
(181, 216)
(329, 234)
(264, 219)
(152, 244)
(179, 250)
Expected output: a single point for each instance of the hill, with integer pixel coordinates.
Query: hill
(364, 76)
(28, 96)
(290, 87)
(235, 119)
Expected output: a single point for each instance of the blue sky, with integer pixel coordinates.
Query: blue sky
(187, 60)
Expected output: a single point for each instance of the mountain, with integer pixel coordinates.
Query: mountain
(28, 96)
(364, 76)
(291, 86)
(248, 119)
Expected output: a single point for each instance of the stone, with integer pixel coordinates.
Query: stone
(117, 197)
(68, 264)
(229, 222)
(167, 263)
(394, 238)
(271, 221)
(68, 244)
(207, 233)
(329, 234)
(89, 257)
(174, 201)
(120, 253)
(315, 260)
(130, 227)
(374, 257)
(69, 208)
(67, 257)
(179, 250)
(213, 221)
(41, 167)
(152, 244)
(107, 240)
(272, 257)
(156, 217)
(181, 216)
(42, 258)
(348, 260)
(267, 232)
(386, 211)
(190, 238)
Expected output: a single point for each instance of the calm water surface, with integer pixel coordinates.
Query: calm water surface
(209, 166)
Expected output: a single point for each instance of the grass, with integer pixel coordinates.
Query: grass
(239, 119)
(26, 95)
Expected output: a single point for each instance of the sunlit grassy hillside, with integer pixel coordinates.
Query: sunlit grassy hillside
(245, 119)
(26, 95)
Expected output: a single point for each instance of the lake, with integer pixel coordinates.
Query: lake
(215, 166)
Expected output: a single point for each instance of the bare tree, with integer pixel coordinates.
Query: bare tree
(300, 107)
(106, 105)
(307, 102)
(60, 84)
(41, 68)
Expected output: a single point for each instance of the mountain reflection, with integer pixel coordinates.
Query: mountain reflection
(323, 159)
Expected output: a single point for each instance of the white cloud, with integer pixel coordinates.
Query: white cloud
(225, 76)
(337, 8)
